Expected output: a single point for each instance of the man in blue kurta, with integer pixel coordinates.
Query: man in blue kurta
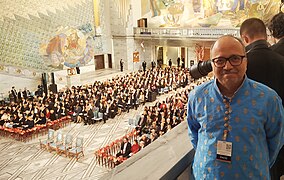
(235, 123)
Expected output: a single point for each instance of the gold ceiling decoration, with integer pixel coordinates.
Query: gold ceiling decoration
(208, 13)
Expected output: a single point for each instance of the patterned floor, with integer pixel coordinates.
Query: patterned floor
(19, 160)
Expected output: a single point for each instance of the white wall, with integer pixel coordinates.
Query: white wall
(171, 53)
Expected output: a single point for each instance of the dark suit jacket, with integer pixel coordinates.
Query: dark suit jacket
(279, 47)
(266, 66)
(127, 150)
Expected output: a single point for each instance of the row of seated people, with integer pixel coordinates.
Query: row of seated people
(154, 122)
(121, 149)
(109, 98)
(28, 114)
(163, 116)
(120, 94)
(127, 149)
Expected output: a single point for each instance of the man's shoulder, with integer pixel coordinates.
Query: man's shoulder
(265, 55)
(260, 87)
(201, 88)
(278, 48)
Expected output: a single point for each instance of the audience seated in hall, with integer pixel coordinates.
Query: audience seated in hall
(111, 97)
(154, 122)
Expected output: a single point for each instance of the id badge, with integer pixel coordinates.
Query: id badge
(224, 151)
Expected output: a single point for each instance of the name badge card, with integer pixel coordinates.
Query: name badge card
(224, 151)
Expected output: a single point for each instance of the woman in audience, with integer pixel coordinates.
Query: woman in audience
(134, 148)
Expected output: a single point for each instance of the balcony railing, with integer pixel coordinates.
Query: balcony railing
(202, 33)
(169, 157)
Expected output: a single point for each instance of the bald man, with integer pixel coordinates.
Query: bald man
(235, 124)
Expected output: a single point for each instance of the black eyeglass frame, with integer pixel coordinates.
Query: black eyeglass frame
(228, 59)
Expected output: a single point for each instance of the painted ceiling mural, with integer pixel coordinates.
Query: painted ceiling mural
(206, 13)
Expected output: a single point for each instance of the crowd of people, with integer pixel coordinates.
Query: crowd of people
(111, 98)
(155, 121)
(226, 146)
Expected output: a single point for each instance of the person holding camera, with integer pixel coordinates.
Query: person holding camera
(235, 123)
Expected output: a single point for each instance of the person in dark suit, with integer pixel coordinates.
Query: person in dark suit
(20, 95)
(42, 119)
(121, 65)
(144, 65)
(183, 63)
(264, 66)
(14, 93)
(170, 63)
(178, 61)
(78, 69)
(125, 149)
(25, 93)
(153, 64)
(276, 27)
(90, 115)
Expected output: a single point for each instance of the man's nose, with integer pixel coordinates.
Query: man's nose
(228, 65)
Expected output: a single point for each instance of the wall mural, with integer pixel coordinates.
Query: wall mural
(69, 48)
(206, 13)
(45, 37)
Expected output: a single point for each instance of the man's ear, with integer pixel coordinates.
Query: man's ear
(245, 39)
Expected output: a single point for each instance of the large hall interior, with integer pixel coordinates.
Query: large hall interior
(85, 81)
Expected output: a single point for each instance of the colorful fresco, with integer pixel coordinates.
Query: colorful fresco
(68, 48)
(31, 37)
(207, 13)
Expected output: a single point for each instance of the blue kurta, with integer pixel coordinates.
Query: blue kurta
(256, 118)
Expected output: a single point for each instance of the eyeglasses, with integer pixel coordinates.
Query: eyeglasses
(235, 60)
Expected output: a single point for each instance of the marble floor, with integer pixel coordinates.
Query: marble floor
(19, 160)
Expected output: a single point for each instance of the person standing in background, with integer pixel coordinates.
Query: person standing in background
(121, 65)
(170, 63)
(276, 27)
(78, 70)
(178, 61)
(153, 64)
(264, 66)
(235, 124)
(144, 65)
(183, 63)
(20, 95)
(14, 93)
